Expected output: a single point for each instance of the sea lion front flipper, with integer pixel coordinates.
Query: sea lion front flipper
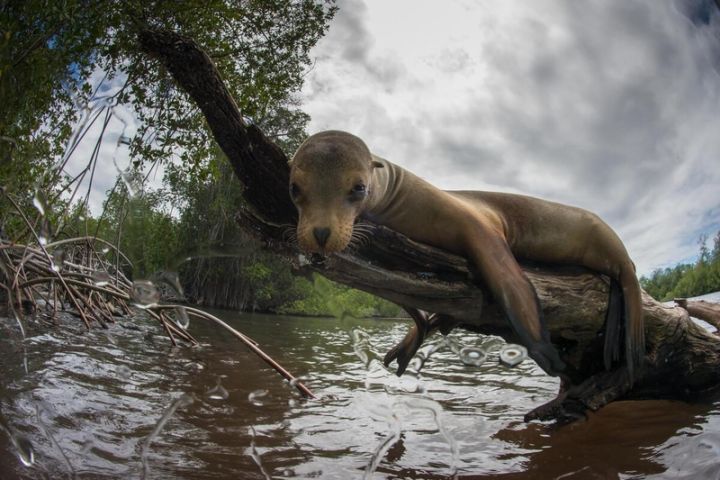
(516, 295)
(408, 346)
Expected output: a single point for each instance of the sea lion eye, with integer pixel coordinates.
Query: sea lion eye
(294, 190)
(358, 192)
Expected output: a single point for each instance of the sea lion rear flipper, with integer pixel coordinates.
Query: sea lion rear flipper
(634, 325)
(613, 325)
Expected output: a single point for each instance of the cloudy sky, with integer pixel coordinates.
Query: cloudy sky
(613, 106)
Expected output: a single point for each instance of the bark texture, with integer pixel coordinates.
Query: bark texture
(682, 359)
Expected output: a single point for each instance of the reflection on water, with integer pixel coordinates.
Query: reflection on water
(125, 403)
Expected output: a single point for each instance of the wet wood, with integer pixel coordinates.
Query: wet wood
(682, 358)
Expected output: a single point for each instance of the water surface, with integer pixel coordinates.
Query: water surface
(125, 403)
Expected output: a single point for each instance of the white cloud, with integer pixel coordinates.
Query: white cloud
(611, 106)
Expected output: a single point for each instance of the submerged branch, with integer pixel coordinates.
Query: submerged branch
(49, 278)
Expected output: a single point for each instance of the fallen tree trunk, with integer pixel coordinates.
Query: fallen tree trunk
(709, 312)
(682, 358)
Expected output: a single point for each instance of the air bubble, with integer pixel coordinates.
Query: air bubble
(25, 451)
(145, 294)
(512, 355)
(39, 203)
(58, 260)
(182, 319)
(218, 392)
(44, 232)
(132, 182)
(124, 371)
(256, 397)
(101, 278)
(472, 356)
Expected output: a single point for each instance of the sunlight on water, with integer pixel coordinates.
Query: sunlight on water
(425, 404)
(406, 391)
(113, 409)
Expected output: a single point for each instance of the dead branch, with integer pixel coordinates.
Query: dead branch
(71, 275)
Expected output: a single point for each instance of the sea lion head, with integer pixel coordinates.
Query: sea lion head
(330, 182)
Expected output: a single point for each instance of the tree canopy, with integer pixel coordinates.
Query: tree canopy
(52, 55)
(688, 280)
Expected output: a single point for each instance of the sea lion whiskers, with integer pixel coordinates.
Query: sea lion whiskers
(289, 234)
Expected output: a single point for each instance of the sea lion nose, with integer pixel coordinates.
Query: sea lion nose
(321, 235)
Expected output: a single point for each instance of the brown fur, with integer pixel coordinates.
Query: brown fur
(490, 229)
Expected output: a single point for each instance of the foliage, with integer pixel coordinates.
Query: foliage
(52, 53)
(56, 58)
(687, 280)
(322, 297)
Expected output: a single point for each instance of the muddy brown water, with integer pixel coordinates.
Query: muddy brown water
(124, 403)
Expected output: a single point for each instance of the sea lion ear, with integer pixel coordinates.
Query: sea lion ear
(377, 164)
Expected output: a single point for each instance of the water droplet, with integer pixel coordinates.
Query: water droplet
(256, 397)
(44, 232)
(182, 319)
(101, 278)
(132, 182)
(39, 203)
(512, 355)
(124, 140)
(58, 260)
(472, 356)
(145, 294)
(295, 381)
(25, 451)
(171, 279)
(452, 344)
(218, 392)
(124, 371)
(87, 445)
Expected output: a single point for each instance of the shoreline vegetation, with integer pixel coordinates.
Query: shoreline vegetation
(687, 279)
(95, 74)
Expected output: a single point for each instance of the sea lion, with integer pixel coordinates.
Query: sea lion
(335, 179)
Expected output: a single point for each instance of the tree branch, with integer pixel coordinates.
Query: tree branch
(682, 359)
